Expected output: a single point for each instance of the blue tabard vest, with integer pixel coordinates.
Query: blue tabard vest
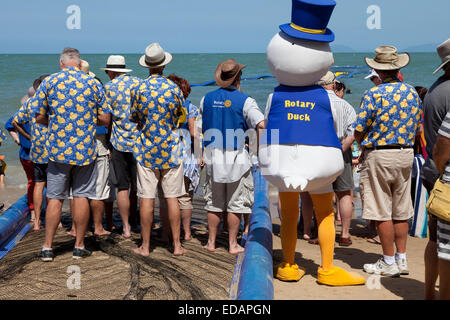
(303, 116)
(222, 110)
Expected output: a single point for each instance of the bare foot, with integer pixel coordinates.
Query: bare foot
(236, 249)
(141, 251)
(72, 233)
(187, 237)
(179, 251)
(102, 233)
(126, 232)
(37, 225)
(60, 225)
(210, 247)
(306, 237)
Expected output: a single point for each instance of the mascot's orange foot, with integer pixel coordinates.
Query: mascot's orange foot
(338, 277)
(288, 272)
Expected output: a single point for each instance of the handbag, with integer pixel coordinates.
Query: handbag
(439, 201)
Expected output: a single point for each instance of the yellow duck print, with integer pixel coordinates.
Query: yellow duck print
(68, 151)
(390, 135)
(393, 110)
(80, 146)
(385, 117)
(402, 130)
(79, 156)
(401, 140)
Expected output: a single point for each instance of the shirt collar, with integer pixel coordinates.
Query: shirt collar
(71, 68)
(391, 80)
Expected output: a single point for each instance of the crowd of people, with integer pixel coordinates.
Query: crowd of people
(144, 138)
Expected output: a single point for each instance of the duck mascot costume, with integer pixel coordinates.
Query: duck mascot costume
(300, 151)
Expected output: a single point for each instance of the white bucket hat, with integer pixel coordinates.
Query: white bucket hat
(327, 79)
(155, 57)
(372, 74)
(116, 64)
(444, 52)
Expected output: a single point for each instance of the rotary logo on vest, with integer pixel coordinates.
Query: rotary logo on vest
(222, 104)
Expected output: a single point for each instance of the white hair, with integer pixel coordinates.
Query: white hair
(70, 54)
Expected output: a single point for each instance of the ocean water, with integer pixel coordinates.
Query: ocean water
(19, 71)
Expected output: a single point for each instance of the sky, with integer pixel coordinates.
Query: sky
(210, 26)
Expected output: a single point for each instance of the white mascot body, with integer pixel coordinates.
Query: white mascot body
(307, 157)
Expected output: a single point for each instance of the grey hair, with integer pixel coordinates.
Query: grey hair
(70, 54)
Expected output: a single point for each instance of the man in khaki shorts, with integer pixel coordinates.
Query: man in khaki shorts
(386, 127)
(229, 182)
(157, 106)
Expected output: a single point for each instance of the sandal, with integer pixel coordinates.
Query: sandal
(313, 241)
(345, 242)
(373, 240)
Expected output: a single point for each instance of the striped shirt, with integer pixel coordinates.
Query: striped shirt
(343, 114)
(445, 131)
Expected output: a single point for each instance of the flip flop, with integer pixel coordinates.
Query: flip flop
(373, 241)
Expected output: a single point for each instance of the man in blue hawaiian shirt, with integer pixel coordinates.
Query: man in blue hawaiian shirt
(386, 128)
(71, 103)
(158, 108)
(123, 138)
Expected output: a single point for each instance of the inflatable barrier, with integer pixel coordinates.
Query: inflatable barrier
(253, 277)
(14, 224)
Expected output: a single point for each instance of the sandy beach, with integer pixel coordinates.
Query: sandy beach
(351, 258)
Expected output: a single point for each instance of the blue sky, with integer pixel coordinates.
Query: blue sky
(197, 26)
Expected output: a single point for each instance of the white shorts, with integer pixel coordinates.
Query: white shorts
(103, 187)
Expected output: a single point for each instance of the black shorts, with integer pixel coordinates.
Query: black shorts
(40, 172)
(123, 170)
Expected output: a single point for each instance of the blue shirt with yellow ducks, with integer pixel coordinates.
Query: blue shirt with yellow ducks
(158, 105)
(389, 115)
(124, 132)
(72, 100)
(38, 151)
(2, 135)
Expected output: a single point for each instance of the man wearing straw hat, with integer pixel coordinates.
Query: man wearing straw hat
(157, 106)
(123, 138)
(386, 128)
(435, 107)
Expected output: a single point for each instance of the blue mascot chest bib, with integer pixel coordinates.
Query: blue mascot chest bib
(303, 116)
(222, 112)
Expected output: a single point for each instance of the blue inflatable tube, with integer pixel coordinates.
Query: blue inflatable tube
(256, 274)
(12, 222)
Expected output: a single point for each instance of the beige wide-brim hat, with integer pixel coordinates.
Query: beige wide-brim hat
(86, 69)
(116, 64)
(155, 57)
(443, 51)
(226, 72)
(327, 79)
(387, 58)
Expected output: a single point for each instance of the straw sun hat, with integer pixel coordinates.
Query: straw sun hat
(387, 58)
(444, 53)
(155, 57)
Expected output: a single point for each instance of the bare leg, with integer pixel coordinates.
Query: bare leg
(307, 213)
(72, 231)
(123, 203)
(52, 219)
(147, 207)
(80, 219)
(401, 235)
(2, 180)
(345, 209)
(38, 197)
(98, 209)
(213, 229)
(174, 219)
(234, 221)
(246, 222)
(186, 216)
(431, 270)
(444, 279)
(387, 236)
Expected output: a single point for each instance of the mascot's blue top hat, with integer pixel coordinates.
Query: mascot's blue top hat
(310, 20)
